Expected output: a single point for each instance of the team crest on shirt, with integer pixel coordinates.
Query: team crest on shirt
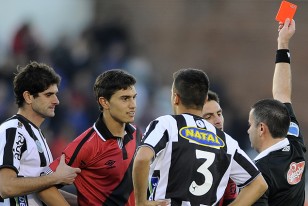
(202, 137)
(19, 124)
(39, 146)
(295, 172)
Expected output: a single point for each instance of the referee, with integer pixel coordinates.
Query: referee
(277, 139)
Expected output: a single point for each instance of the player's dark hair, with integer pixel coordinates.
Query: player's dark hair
(192, 86)
(109, 82)
(35, 78)
(212, 96)
(274, 114)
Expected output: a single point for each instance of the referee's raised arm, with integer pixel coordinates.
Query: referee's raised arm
(282, 80)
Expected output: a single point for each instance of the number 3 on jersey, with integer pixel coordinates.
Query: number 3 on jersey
(199, 190)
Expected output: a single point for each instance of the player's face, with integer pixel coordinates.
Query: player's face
(44, 105)
(253, 132)
(122, 105)
(212, 112)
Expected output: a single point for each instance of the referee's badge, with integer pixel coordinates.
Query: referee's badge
(39, 146)
(295, 172)
(293, 129)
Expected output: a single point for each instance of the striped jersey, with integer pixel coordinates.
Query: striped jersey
(24, 149)
(194, 160)
(283, 166)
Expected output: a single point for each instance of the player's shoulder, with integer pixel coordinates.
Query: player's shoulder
(12, 123)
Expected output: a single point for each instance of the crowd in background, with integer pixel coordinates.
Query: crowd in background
(98, 48)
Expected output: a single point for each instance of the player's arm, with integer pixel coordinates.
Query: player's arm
(141, 173)
(12, 186)
(70, 198)
(140, 177)
(52, 197)
(282, 85)
(251, 192)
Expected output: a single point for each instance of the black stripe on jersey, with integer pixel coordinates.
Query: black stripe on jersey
(222, 136)
(1, 199)
(151, 128)
(180, 120)
(29, 130)
(162, 142)
(12, 201)
(249, 167)
(8, 157)
(116, 197)
(79, 146)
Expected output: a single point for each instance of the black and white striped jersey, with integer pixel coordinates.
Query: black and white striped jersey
(194, 160)
(24, 149)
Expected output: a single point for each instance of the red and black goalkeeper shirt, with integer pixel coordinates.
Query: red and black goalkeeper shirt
(106, 163)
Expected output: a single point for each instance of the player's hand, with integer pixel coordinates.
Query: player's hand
(64, 173)
(286, 31)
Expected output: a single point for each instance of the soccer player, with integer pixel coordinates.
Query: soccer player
(212, 112)
(24, 153)
(275, 134)
(105, 151)
(195, 160)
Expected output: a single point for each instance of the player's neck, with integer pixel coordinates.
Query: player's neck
(181, 110)
(115, 127)
(32, 116)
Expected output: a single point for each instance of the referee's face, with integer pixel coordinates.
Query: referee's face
(253, 132)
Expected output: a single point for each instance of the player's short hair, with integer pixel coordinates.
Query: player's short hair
(35, 78)
(109, 82)
(192, 86)
(212, 96)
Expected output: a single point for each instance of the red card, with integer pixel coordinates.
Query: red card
(286, 10)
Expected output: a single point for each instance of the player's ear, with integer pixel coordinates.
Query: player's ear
(104, 102)
(27, 97)
(176, 99)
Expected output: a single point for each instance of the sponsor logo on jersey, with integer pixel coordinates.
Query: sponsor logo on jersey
(18, 144)
(295, 172)
(110, 164)
(286, 148)
(202, 137)
(293, 129)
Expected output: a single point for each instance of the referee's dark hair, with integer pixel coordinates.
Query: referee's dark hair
(192, 86)
(274, 114)
(35, 78)
(109, 82)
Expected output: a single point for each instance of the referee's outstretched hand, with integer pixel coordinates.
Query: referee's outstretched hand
(65, 174)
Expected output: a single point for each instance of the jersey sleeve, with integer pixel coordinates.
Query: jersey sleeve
(12, 146)
(157, 135)
(294, 129)
(243, 170)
